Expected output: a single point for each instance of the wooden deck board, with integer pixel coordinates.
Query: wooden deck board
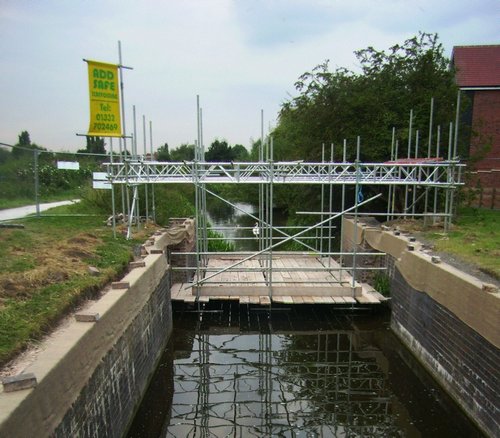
(291, 287)
(264, 301)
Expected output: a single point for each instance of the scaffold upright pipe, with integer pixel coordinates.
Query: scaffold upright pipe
(288, 239)
(356, 201)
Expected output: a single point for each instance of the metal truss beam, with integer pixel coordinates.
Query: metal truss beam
(429, 174)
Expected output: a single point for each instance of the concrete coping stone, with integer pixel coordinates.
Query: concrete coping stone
(19, 382)
(412, 239)
(411, 247)
(436, 259)
(120, 285)
(137, 264)
(87, 316)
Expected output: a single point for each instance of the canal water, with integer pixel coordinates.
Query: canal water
(297, 371)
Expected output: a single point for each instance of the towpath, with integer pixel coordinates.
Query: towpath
(19, 212)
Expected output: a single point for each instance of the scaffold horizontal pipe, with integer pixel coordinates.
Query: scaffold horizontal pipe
(298, 227)
(317, 213)
(279, 254)
(280, 269)
(235, 238)
(333, 281)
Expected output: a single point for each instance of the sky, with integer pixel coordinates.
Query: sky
(239, 56)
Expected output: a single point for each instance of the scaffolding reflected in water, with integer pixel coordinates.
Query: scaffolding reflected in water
(279, 383)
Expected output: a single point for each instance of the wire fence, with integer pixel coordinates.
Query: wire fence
(32, 176)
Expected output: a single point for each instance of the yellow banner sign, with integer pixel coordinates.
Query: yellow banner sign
(104, 100)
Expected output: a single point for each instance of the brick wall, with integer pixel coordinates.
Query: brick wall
(486, 122)
(107, 403)
(460, 359)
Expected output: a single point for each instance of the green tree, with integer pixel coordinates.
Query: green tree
(24, 143)
(162, 154)
(219, 151)
(342, 104)
(95, 145)
(334, 105)
(185, 152)
(240, 153)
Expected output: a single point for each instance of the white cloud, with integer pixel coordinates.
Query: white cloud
(238, 55)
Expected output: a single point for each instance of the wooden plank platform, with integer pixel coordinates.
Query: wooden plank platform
(247, 283)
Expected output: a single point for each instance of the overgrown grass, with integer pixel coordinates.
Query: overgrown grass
(382, 284)
(474, 238)
(44, 271)
(220, 245)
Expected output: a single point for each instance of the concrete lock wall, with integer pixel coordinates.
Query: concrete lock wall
(447, 318)
(91, 377)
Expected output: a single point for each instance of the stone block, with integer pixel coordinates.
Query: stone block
(411, 247)
(120, 285)
(137, 264)
(87, 317)
(19, 382)
(436, 259)
(397, 232)
(412, 239)
(94, 271)
(156, 251)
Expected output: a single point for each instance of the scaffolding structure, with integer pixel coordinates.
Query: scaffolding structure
(416, 178)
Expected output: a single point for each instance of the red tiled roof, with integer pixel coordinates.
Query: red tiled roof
(477, 66)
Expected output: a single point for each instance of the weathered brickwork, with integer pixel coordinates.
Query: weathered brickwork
(182, 261)
(486, 121)
(106, 405)
(465, 363)
(459, 358)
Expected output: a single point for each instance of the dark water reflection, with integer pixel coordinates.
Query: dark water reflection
(305, 371)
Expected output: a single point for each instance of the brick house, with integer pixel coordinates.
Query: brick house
(478, 76)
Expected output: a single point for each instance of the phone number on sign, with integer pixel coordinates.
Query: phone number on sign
(105, 127)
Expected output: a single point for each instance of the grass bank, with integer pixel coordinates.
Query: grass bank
(474, 238)
(44, 271)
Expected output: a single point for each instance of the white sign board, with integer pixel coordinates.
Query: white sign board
(100, 176)
(101, 185)
(68, 165)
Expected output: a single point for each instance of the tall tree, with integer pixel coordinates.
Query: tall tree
(342, 104)
(24, 143)
(95, 145)
(240, 153)
(334, 105)
(219, 151)
(185, 152)
(162, 153)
